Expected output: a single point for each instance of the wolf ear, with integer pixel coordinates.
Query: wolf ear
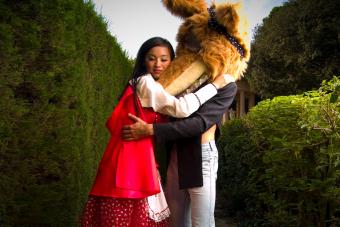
(227, 15)
(234, 19)
(185, 8)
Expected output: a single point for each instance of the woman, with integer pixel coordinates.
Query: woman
(127, 190)
(192, 158)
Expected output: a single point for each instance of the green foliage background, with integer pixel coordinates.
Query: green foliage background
(60, 75)
(280, 164)
(295, 48)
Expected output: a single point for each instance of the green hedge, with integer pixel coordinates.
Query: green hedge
(60, 75)
(280, 164)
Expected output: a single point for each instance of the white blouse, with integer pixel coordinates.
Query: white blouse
(153, 95)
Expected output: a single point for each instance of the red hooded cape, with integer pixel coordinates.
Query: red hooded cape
(128, 168)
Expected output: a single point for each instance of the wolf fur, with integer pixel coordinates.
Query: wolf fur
(201, 50)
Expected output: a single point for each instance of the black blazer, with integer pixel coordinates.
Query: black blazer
(187, 135)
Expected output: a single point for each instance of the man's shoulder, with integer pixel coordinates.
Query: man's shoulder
(229, 88)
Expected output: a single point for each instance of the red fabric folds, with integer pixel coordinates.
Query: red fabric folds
(128, 168)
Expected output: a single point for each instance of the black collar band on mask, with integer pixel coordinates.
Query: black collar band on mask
(212, 22)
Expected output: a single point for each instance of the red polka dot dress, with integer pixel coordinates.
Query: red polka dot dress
(108, 212)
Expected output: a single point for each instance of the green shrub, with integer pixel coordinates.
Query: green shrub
(61, 73)
(237, 159)
(289, 159)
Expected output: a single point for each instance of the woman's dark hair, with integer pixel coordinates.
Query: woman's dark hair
(140, 67)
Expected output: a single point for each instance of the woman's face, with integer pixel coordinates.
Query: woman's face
(157, 60)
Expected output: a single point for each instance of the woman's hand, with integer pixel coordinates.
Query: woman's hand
(222, 80)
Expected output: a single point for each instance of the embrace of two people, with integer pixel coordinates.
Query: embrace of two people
(127, 190)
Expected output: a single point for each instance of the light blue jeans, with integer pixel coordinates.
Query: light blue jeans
(193, 207)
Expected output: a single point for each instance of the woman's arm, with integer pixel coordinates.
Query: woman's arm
(209, 114)
(153, 95)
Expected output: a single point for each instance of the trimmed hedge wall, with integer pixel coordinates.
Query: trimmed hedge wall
(60, 75)
(280, 164)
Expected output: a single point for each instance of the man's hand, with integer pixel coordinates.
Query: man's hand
(137, 130)
(222, 80)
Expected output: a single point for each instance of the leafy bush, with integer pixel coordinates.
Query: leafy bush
(287, 162)
(238, 159)
(60, 73)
